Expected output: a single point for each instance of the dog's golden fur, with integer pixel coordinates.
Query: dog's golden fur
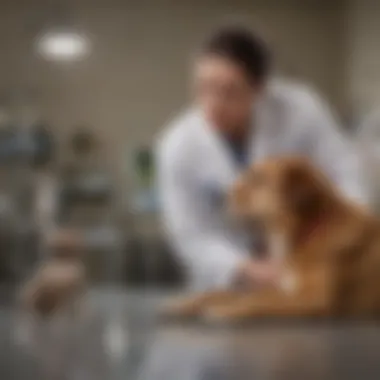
(329, 247)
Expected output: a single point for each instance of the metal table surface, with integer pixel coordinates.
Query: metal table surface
(120, 338)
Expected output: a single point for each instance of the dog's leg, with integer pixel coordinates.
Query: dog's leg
(311, 298)
(193, 305)
(266, 305)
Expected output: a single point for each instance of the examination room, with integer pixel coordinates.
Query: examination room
(189, 190)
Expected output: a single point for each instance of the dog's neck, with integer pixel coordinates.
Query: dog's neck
(293, 234)
(283, 243)
(310, 228)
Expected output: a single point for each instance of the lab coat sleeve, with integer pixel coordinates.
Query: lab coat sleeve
(335, 153)
(210, 259)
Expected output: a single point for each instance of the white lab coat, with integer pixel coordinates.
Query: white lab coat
(195, 168)
(367, 138)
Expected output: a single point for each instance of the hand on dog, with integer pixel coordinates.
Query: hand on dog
(259, 273)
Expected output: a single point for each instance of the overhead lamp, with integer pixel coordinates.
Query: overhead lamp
(63, 45)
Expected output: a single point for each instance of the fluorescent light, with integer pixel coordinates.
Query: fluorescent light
(63, 46)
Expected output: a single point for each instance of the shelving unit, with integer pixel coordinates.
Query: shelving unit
(88, 206)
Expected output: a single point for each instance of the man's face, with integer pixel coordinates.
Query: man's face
(223, 92)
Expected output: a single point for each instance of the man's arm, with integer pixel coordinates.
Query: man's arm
(210, 258)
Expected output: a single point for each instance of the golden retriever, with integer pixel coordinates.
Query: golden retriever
(328, 249)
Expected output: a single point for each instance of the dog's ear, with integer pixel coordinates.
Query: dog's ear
(303, 189)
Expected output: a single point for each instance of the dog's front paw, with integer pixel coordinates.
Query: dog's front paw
(221, 315)
(178, 308)
(215, 316)
(240, 312)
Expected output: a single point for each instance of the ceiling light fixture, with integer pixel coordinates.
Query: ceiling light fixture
(63, 45)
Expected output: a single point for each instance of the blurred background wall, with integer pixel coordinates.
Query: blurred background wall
(136, 76)
(363, 55)
(134, 79)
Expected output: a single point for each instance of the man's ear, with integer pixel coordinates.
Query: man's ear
(303, 191)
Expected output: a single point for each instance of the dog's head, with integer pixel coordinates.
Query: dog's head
(280, 191)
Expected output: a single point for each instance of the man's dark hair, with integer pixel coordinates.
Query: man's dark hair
(242, 47)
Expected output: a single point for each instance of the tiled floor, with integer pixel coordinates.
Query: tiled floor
(120, 339)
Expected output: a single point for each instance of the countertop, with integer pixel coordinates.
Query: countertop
(121, 338)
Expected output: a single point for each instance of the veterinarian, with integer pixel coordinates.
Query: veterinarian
(240, 115)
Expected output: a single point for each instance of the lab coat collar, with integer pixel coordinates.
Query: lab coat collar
(216, 143)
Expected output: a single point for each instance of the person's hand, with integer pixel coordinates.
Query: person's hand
(259, 272)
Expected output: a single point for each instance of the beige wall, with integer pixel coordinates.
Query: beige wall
(136, 77)
(364, 55)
